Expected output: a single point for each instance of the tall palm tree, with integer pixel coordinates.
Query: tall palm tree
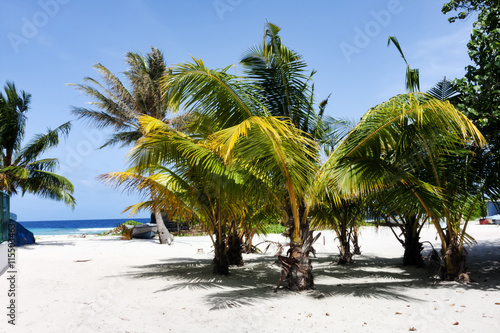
(20, 166)
(118, 108)
(281, 78)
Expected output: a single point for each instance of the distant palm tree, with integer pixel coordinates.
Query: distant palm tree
(120, 108)
(20, 167)
(344, 217)
(444, 91)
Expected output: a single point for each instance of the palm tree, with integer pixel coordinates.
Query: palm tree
(413, 143)
(120, 109)
(251, 127)
(343, 216)
(444, 91)
(20, 166)
(399, 208)
(280, 77)
(198, 183)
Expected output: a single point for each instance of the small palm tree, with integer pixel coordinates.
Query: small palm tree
(414, 144)
(189, 178)
(344, 217)
(20, 166)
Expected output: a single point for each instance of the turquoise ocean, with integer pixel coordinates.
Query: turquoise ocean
(74, 227)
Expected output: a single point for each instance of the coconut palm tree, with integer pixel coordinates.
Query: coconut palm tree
(256, 127)
(413, 143)
(343, 215)
(197, 182)
(281, 78)
(21, 168)
(117, 107)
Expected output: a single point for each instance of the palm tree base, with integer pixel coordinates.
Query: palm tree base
(413, 251)
(235, 250)
(296, 268)
(454, 265)
(220, 262)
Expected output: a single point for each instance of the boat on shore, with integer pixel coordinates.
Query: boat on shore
(144, 231)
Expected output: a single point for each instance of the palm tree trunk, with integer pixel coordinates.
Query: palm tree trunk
(355, 242)
(454, 268)
(412, 245)
(235, 248)
(345, 255)
(296, 268)
(413, 248)
(165, 236)
(221, 260)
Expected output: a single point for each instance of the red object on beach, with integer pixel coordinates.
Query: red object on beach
(485, 221)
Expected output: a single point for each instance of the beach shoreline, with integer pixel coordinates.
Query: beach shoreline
(102, 283)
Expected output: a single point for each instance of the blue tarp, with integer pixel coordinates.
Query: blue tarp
(23, 236)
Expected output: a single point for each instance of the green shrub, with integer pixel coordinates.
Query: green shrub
(132, 222)
(275, 228)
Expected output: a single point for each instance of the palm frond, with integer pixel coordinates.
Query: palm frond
(443, 90)
(49, 185)
(41, 143)
(412, 78)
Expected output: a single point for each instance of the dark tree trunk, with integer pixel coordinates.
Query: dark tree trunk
(412, 245)
(221, 260)
(234, 251)
(355, 243)
(345, 255)
(413, 250)
(296, 267)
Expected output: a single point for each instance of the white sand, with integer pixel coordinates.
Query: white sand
(104, 284)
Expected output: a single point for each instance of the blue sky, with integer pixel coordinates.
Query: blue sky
(48, 43)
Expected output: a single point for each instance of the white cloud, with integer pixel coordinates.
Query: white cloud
(444, 55)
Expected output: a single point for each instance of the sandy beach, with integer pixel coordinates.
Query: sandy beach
(104, 284)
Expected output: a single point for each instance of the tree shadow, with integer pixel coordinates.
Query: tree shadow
(367, 277)
(254, 282)
(483, 263)
(46, 243)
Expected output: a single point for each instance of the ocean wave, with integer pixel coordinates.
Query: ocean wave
(93, 230)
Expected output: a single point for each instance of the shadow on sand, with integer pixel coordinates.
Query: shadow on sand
(366, 277)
